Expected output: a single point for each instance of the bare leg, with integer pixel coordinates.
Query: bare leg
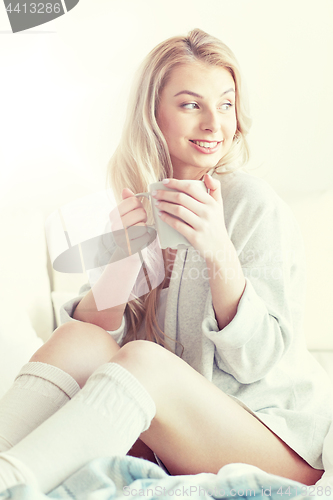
(146, 391)
(198, 428)
(79, 349)
(185, 402)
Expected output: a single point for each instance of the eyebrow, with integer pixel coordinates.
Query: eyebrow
(194, 94)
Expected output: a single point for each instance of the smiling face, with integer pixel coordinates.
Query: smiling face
(197, 117)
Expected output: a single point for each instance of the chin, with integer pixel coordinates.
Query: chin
(209, 165)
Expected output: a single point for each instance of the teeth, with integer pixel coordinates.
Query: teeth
(208, 145)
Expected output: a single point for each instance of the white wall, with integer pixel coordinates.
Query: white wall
(64, 86)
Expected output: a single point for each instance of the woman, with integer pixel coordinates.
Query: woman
(242, 386)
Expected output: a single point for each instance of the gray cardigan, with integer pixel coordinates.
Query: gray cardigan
(260, 358)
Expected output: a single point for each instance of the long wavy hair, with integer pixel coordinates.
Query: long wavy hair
(142, 156)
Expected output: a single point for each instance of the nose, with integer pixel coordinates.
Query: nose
(210, 120)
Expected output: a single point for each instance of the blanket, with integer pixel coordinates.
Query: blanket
(119, 478)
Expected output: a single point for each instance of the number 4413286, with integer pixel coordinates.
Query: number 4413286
(35, 8)
(308, 491)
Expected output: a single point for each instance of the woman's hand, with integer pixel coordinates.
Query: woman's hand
(203, 225)
(130, 213)
(201, 214)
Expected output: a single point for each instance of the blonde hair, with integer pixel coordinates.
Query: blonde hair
(142, 156)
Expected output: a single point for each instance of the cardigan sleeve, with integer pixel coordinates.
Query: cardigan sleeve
(67, 311)
(269, 314)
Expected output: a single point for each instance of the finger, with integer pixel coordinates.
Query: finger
(178, 198)
(136, 231)
(130, 202)
(188, 187)
(214, 187)
(126, 206)
(132, 239)
(138, 243)
(179, 214)
(137, 216)
(179, 225)
(126, 193)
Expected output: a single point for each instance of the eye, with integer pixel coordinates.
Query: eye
(189, 105)
(226, 106)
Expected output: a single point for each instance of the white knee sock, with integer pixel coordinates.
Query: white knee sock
(105, 418)
(38, 391)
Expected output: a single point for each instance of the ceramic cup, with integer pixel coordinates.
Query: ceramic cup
(168, 236)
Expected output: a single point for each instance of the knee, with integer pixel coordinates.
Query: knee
(67, 332)
(78, 348)
(143, 352)
(147, 361)
(78, 337)
(79, 331)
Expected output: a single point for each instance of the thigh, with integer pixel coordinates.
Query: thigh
(198, 428)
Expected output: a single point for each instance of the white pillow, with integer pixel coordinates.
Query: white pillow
(18, 342)
(23, 266)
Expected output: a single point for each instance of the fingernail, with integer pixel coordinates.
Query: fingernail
(165, 181)
(154, 193)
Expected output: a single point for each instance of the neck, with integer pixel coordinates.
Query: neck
(189, 175)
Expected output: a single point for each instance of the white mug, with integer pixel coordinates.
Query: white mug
(168, 236)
